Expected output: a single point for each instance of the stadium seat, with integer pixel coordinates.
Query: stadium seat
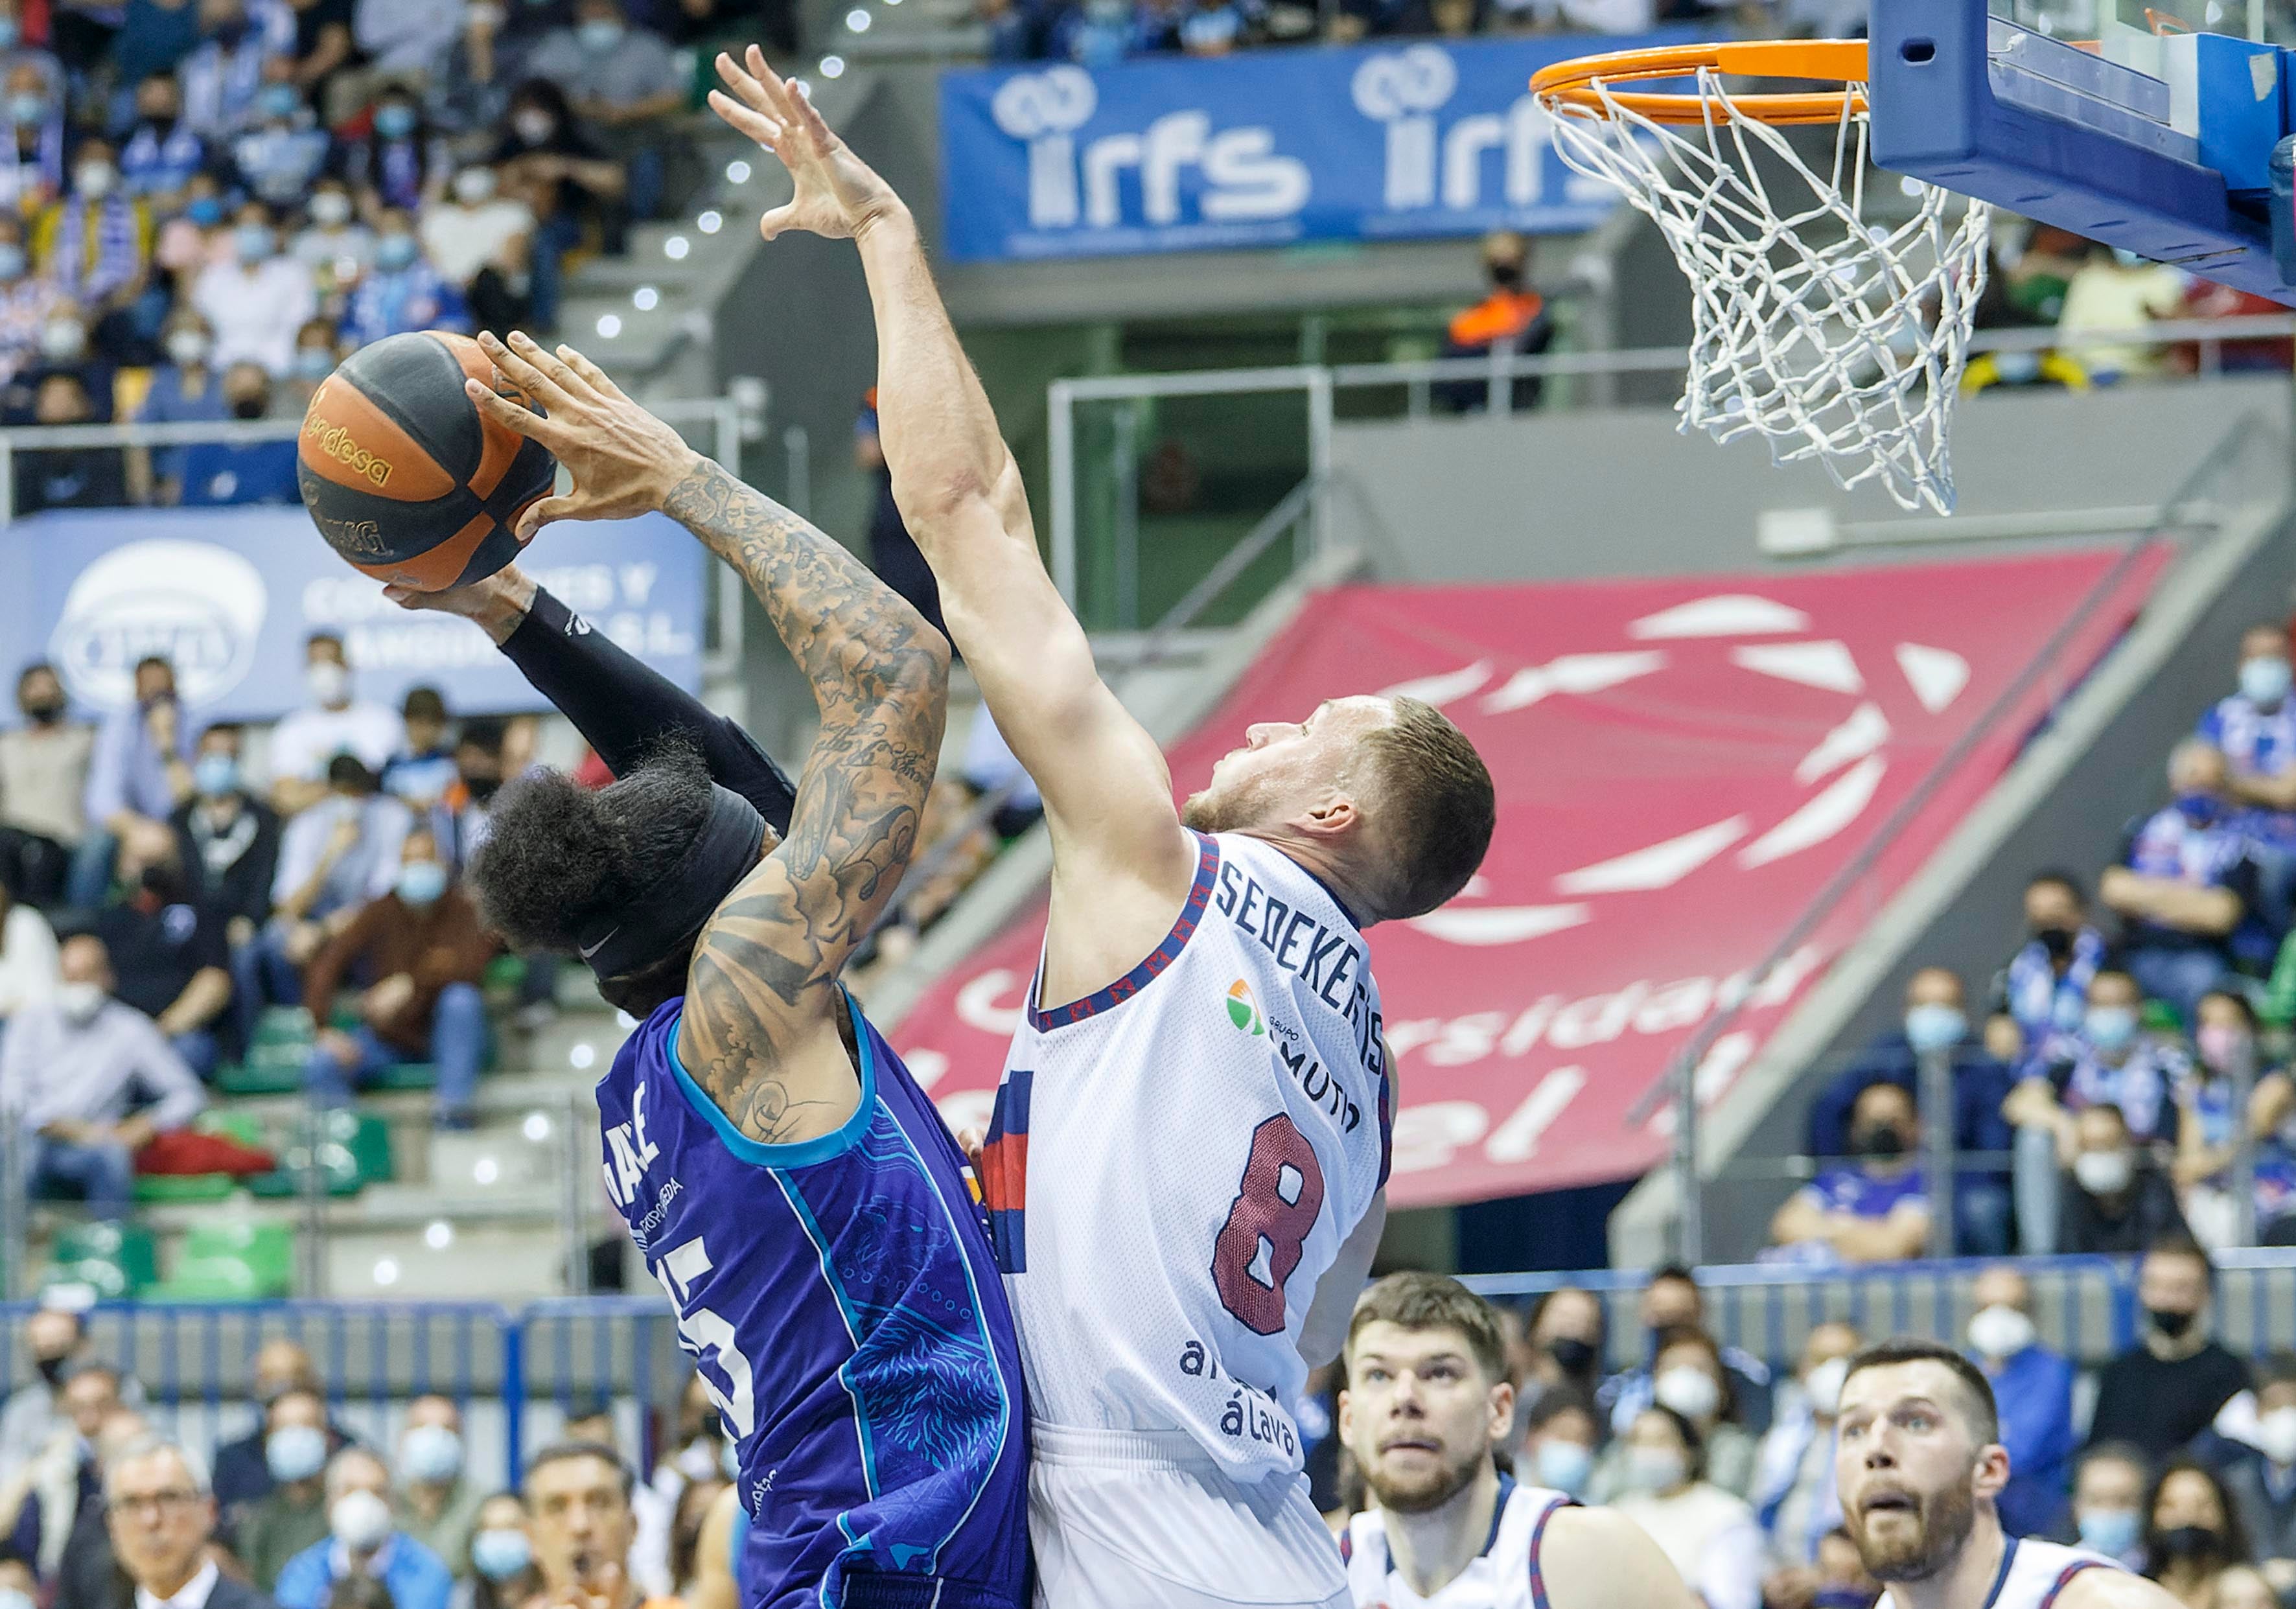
(275, 1059)
(232, 1262)
(115, 1259)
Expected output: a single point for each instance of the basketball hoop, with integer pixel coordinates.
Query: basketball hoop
(1831, 338)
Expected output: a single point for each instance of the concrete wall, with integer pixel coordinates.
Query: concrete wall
(1554, 496)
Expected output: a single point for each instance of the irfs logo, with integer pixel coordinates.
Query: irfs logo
(201, 605)
(1241, 177)
(1428, 164)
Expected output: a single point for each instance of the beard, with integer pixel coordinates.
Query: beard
(1944, 1520)
(1231, 807)
(1421, 1491)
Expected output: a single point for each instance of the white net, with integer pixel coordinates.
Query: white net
(1830, 337)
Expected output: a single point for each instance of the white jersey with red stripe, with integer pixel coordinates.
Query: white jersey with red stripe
(1505, 1575)
(2033, 1573)
(1174, 1161)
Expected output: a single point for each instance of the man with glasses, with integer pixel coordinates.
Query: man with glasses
(161, 1517)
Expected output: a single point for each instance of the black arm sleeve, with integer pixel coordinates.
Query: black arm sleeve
(623, 707)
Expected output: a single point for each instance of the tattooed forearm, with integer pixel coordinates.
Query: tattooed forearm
(764, 975)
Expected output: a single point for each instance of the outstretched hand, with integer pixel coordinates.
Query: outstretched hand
(837, 195)
(624, 460)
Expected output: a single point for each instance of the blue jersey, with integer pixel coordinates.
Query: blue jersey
(843, 1302)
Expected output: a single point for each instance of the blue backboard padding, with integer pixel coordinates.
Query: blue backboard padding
(1936, 117)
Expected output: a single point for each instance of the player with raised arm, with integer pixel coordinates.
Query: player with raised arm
(1427, 1406)
(1187, 1165)
(1919, 1460)
(789, 1183)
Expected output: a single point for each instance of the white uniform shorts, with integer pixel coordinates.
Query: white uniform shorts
(1146, 1519)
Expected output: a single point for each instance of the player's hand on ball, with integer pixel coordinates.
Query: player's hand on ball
(624, 460)
(499, 603)
(837, 195)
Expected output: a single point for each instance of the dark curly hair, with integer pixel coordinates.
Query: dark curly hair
(559, 858)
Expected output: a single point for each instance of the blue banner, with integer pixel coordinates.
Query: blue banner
(1267, 148)
(229, 594)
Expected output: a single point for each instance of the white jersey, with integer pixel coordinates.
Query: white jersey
(1505, 1575)
(1174, 1161)
(2032, 1573)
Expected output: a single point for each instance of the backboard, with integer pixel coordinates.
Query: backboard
(2148, 127)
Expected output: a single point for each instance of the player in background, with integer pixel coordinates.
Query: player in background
(1186, 1170)
(790, 1186)
(1919, 1461)
(1427, 1406)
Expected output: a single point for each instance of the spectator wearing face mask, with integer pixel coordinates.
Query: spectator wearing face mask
(315, 360)
(171, 958)
(291, 1517)
(224, 75)
(95, 1081)
(624, 84)
(1936, 1023)
(2109, 1061)
(2262, 1478)
(404, 293)
(141, 770)
(1688, 1379)
(1873, 1210)
(1710, 1536)
(162, 151)
(332, 858)
(2209, 1128)
(473, 225)
(2045, 988)
(16, 49)
(2116, 1198)
(2108, 1509)
(364, 1540)
(228, 840)
(1566, 1336)
(2255, 730)
(53, 1508)
(425, 945)
(28, 302)
(1795, 1495)
(1670, 1300)
(400, 161)
(502, 1556)
(1513, 318)
(2168, 1387)
(333, 723)
(43, 766)
(336, 246)
(57, 1342)
(2191, 1532)
(243, 1469)
(183, 390)
(1558, 1444)
(2034, 1387)
(95, 244)
(2185, 881)
(421, 773)
(32, 148)
(256, 301)
(543, 153)
(282, 148)
(238, 474)
(437, 1504)
(69, 477)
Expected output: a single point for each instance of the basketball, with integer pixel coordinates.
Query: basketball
(402, 474)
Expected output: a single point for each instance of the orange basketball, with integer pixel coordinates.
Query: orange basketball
(405, 476)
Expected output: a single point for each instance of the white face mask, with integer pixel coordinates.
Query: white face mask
(62, 340)
(2103, 1172)
(1689, 1390)
(473, 186)
(1654, 1469)
(1999, 1332)
(360, 1521)
(94, 180)
(1823, 1385)
(2275, 1435)
(79, 1002)
(331, 208)
(188, 349)
(329, 683)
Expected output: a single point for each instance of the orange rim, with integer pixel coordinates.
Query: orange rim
(1569, 86)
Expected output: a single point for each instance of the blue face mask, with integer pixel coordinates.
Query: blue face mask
(204, 210)
(599, 32)
(2201, 810)
(393, 252)
(27, 108)
(1564, 1466)
(314, 363)
(500, 1554)
(420, 882)
(11, 262)
(252, 241)
(295, 1452)
(10, 32)
(1934, 1026)
(2110, 1028)
(2110, 1531)
(395, 121)
(217, 775)
(280, 101)
(2264, 681)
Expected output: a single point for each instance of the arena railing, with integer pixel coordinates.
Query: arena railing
(1097, 485)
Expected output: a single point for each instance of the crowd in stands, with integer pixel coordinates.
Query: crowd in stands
(101, 1509)
(206, 204)
(2181, 1461)
(2097, 1099)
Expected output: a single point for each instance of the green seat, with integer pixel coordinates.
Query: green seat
(242, 1127)
(256, 1078)
(283, 1026)
(117, 1261)
(235, 1260)
(184, 1187)
(505, 974)
(366, 1136)
(406, 1075)
(210, 1280)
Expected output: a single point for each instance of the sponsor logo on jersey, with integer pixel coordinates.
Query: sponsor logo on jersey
(335, 441)
(1243, 1010)
(1329, 964)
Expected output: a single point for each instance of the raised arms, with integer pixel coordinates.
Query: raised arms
(760, 1030)
(1108, 796)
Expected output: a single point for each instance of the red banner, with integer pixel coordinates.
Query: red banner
(1681, 766)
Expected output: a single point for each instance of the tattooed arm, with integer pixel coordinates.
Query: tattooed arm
(762, 1030)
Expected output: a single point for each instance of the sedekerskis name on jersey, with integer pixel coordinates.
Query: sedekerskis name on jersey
(1330, 965)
